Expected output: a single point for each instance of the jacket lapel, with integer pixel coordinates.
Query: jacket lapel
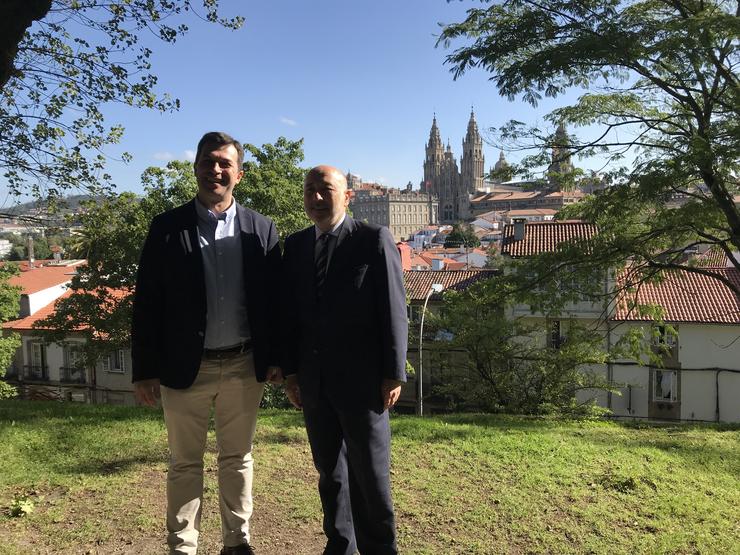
(189, 240)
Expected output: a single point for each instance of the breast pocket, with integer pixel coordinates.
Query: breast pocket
(359, 274)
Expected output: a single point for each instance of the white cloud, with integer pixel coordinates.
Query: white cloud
(164, 156)
(189, 155)
(288, 121)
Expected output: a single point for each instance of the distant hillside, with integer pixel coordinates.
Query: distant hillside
(67, 204)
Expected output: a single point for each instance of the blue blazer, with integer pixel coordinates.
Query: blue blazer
(169, 313)
(356, 335)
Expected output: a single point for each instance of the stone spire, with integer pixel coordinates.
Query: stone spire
(561, 165)
(472, 162)
(472, 134)
(434, 136)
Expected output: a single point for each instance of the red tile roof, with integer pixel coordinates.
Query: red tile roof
(417, 260)
(418, 283)
(540, 237)
(33, 280)
(687, 297)
(504, 196)
(531, 212)
(27, 322)
(713, 258)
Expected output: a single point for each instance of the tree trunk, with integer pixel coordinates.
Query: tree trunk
(15, 17)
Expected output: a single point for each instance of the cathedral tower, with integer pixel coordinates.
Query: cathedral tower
(472, 162)
(560, 166)
(433, 160)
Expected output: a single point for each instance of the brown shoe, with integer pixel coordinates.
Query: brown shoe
(243, 549)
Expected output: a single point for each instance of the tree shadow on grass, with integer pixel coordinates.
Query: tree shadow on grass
(110, 467)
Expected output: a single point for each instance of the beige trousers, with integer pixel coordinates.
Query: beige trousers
(230, 386)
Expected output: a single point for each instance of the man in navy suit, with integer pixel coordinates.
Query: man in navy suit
(345, 360)
(203, 334)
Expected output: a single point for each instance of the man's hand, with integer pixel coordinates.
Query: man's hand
(147, 391)
(275, 374)
(390, 391)
(293, 391)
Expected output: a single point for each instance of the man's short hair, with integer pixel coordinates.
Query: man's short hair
(219, 139)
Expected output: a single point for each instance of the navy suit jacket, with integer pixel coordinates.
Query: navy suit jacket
(169, 314)
(356, 335)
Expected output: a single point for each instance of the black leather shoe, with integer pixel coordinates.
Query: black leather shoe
(243, 549)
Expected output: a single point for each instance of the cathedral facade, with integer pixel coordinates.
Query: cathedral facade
(443, 179)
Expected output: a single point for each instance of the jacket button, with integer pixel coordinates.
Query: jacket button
(315, 351)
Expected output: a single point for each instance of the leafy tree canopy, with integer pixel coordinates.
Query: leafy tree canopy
(663, 89)
(9, 343)
(60, 62)
(462, 235)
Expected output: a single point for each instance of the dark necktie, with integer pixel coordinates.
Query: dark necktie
(322, 257)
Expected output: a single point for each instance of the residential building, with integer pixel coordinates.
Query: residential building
(699, 374)
(44, 370)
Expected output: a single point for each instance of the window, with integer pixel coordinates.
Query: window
(665, 336)
(38, 354)
(74, 366)
(665, 386)
(73, 355)
(555, 340)
(37, 369)
(115, 362)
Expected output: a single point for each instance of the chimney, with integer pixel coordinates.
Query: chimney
(519, 228)
(31, 258)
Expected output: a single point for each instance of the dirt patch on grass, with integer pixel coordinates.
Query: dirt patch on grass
(128, 519)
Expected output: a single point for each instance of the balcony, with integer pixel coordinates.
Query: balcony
(36, 373)
(72, 375)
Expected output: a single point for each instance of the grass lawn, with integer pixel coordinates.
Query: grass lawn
(94, 477)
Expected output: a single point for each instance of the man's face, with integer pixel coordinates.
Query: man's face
(325, 197)
(217, 172)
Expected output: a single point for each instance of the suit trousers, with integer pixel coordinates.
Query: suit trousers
(230, 386)
(351, 451)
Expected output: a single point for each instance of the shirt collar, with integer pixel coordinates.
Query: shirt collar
(334, 230)
(210, 217)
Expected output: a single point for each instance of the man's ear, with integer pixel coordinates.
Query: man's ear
(348, 194)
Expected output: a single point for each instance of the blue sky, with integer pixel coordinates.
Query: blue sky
(358, 80)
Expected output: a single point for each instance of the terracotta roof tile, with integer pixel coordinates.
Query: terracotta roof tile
(540, 237)
(42, 277)
(531, 212)
(419, 282)
(504, 196)
(27, 322)
(713, 258)
(687, 297)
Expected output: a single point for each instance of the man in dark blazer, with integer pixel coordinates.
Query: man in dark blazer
(203, 335)
(345, 360)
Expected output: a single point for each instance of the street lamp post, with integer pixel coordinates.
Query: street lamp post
(435, 288)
